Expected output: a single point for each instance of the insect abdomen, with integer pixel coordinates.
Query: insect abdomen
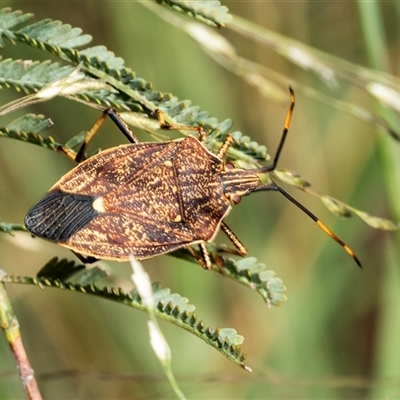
(59, 215)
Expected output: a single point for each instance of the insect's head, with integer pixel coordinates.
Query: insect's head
(239, 182)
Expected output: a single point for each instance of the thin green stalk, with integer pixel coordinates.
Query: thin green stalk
(389, 325)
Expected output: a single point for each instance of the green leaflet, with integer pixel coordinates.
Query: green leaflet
(29, 76)
(56, 33)
(11, 228)
(27, 129)
(10, 19)
(209, 11)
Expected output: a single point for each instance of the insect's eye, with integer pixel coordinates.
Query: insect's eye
(236, 199)
(229, 166)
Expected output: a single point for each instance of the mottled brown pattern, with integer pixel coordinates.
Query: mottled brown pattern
(156, 198)
(147, 199)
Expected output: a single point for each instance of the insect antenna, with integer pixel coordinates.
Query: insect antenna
(273, 186)
(284, 133)
(318, 222)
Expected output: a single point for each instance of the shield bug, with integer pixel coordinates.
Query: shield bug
(147, 199)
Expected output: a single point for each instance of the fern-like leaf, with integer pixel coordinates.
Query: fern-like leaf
(247, 271)
(27, 129)
(59, 269)
(31, 123)
(134, 93)
(55, 33)
(63, 269)
(30, 76)
(10, 19)
(168, 306)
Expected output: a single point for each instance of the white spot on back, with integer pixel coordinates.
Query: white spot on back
(98, 205)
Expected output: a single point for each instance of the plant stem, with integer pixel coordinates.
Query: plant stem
(10, 326)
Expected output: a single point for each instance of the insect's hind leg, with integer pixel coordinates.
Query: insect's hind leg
(203, 257)
(85, 259)
(176, 127)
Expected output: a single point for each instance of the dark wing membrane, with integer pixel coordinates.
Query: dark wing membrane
(118, 235)
(58, 216)
(115, 167)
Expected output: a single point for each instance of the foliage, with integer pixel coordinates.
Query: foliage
(101, 79)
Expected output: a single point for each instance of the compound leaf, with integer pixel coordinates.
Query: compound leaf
(168, 306)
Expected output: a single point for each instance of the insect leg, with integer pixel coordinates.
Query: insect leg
(240, 249)
(225, 146)
(85, 259)
(69, 153)
(116, 118)
(203, 258)
(80, 155)
(176, 127)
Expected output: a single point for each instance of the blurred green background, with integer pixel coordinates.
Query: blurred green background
(337, 337)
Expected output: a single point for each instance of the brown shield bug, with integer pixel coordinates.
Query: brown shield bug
(147, 199)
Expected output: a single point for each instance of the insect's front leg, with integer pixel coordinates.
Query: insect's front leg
(116, 118)
(228, 141)
(203, 258)
(80, 155)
